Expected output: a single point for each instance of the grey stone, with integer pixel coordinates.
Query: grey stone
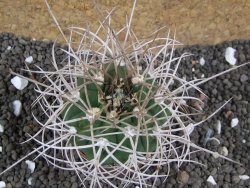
(8, 185)
(243, 78)
(14, 155)
(213, 172)
(39, 57)
(182, 177)
(22, 41)
(157, 182)
(235, 179)
(214, 91)
(242, 57)
(74, 185)
(241, 170)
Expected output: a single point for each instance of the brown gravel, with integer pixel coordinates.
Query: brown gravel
(195, 21)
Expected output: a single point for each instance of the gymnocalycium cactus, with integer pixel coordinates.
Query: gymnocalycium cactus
(116, 109)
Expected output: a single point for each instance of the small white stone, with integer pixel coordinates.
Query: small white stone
(29, 59)
(190, 128)
(19, 83)
(203, 76)
(9, 48)
(218, 127)
(31, 165)
(17, 105)
(202, 61)
(229, 56)
(224, 151)
(2, 184)
(211, 180)
(234, 122)
(1, 149)
(243, 141)
(30, 181)
(1, 129)
(244, 177)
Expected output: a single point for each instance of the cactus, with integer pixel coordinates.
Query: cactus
(117, 106)
(112, 111)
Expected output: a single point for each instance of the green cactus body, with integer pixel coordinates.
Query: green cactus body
(116, 94)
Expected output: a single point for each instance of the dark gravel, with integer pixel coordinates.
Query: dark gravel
(235, 84)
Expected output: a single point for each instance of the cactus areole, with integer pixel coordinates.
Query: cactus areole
(116, 114)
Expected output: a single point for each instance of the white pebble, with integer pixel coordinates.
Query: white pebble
(29, 59)
(2, 184)
(202, 61)
(17, 105)
(9, 48)
(19, 83)
(30, 181)
(190, 128)
(31, 165)
(234, 122)
(1, 149)
(218, 127)
(224, 151)
(211, 180)
(243, 141)
(203, 75)
(1, 129)
(229, 56)
(244, 177)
